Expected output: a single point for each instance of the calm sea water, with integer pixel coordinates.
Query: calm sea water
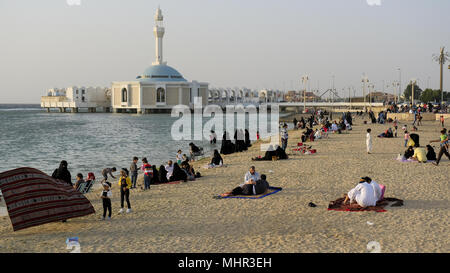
(89, 142)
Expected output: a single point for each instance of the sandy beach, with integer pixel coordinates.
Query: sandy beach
(185, 217)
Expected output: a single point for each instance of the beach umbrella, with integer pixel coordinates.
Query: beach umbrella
(33, 198)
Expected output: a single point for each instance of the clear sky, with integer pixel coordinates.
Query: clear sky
(228, 43)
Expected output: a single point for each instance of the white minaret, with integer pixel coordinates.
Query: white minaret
(158, 30)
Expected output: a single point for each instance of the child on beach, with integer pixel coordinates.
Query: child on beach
(148, 173)
(369, 141)
(406, 137)
(134, 172)
(441, 118)
(179, 157)
(106, 199)
(80, 180)
(125, 186)
(109, 171)
(395, 126)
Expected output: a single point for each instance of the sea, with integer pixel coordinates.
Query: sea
(89, 142)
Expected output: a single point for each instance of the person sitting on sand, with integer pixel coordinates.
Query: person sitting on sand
(188, 170)
(155, 177)
(420, 155)
(431, 155)
(261, 185)
(408, 153)
(195, 151)
(80, 180)
(363, 194)
(251, 175)
(248, 188)
(334, 127)
(280, 153)
(169, 169)
(162, 174)
(178, 174)
(270, 153)
(217, 159)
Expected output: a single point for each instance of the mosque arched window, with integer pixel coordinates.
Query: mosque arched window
(160, 95)
(124, 95)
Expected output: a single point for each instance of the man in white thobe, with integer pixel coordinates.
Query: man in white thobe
(363, 194)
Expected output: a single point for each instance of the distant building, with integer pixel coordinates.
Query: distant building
(298, 96)
(77, 97)
(159, 87)
(380, 97)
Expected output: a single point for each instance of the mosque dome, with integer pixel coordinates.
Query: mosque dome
(161, 73)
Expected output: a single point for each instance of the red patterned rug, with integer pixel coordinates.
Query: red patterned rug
(339, 206)
(33, 198)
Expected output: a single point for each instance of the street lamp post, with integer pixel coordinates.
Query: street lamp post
(371, 88)
(305, 80)
(364, 81)
(413, 83)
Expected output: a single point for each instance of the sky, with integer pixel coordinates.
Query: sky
(227, 43)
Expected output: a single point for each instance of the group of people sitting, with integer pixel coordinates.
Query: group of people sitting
(241, 142)
(273, 153)
(387, 134)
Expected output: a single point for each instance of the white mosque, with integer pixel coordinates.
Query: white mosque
(159, 87)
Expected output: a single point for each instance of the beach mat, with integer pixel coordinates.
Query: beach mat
(338, 205)
(410, 160)
(167, 183)
(33, 198)
(270, 191)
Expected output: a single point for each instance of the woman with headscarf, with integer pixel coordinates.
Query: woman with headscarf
(62, 173)
(280, 153)
(155, 177)
(247, 139)
(194, 150)
(241, 139)
(217, 159)
(178, 174)
(162, 174)
(431, 154)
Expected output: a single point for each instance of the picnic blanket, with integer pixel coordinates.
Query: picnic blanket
(209, 166)
(33, 198)
(339, 206)
(169, 183)
(410, 160)
(270, 191)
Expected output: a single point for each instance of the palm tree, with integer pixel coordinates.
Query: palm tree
(441, 59)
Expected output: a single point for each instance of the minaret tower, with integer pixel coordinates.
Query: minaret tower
(158, 30)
